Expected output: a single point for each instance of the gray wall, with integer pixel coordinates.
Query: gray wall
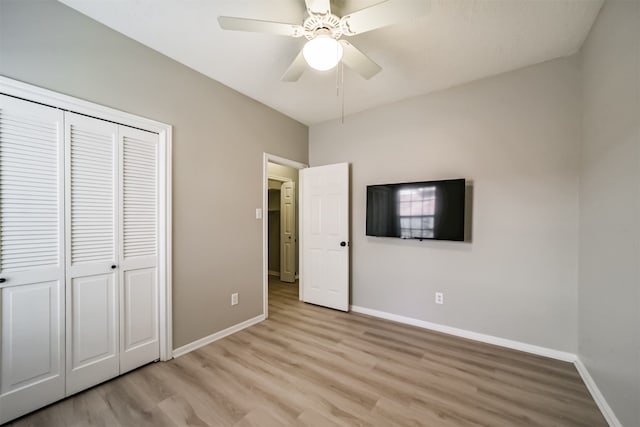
(516, 136)
(219, 137)
(609, 275)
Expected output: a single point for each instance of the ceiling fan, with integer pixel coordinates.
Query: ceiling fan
(323, 30)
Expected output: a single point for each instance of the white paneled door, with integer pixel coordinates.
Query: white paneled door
(324, 219)
(138, 265)
(288, 232)
(91, 230)
(32, 350)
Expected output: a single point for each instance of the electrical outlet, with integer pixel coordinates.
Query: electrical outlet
(439, 298)
(234, 299)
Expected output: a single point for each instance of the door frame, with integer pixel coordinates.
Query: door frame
(57, 100)
(266, 159)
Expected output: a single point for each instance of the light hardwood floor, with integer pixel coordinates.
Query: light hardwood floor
(313, 366)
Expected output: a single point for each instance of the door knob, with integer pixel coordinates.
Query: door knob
(2, 280)
(113, 267)
(343, 244)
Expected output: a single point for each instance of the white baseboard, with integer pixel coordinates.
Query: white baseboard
(490, 339)
(273, 273)
(597, 395)
(180, 351)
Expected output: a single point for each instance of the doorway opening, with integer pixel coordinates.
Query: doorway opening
(281, 254)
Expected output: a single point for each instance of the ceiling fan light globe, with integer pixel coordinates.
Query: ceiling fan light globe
(322, 53)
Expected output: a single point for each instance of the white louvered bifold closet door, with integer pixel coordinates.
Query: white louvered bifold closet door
(91, 230)
(139, 327)
(31, 257)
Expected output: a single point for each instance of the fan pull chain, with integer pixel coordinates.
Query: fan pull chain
(338, 78)
(342, 86)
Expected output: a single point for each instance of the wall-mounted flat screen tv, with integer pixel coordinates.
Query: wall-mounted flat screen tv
(417, 210)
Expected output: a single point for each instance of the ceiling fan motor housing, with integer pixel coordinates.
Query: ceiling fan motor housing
(316, 23)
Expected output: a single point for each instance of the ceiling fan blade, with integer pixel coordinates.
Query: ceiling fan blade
(295, 70)
(358, 61)
(257, 26)
(319, 7)
(382, 14)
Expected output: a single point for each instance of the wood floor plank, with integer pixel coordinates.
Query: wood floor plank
(183, 413)
(104, 418)
(131, 406)
(311, 366)
(401, 415)
(89, 405)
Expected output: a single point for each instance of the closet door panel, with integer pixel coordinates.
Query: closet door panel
(92, 230)
(29, 350)
(31, 257)
(31, 215)
(139, 332)
(94, 324)
(33, 347)
(140, 313)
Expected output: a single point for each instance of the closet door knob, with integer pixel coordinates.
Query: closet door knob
(2, 280)
(343, 244)
(113, 267)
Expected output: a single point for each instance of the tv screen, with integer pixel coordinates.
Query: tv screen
(417, 210)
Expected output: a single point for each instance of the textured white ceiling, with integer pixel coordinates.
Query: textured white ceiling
(457, 42)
